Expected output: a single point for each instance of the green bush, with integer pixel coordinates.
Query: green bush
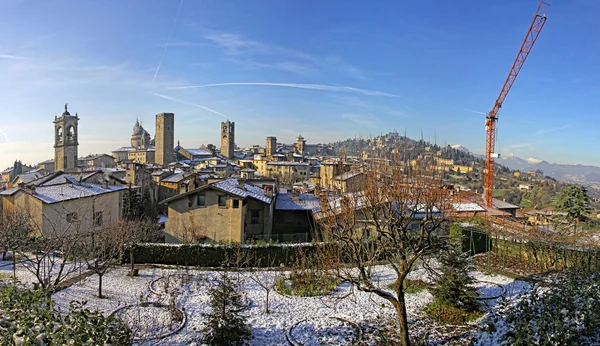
(308, 283)
(448, 314)
(30, 318)
(224, 324)
(410, 286)
(217, 255)
(566, 312)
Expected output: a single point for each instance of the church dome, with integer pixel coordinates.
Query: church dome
(140, 138)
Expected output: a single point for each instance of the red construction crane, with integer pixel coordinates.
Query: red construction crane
(490, 123)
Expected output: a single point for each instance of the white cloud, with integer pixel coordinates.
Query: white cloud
(11, 57)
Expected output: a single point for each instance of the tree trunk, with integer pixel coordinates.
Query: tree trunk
(267, 303)
(14, 266)
(99, 286)
(400, 307)
(131, 259)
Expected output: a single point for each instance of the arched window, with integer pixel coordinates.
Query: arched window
(70, 133)
(59, 134)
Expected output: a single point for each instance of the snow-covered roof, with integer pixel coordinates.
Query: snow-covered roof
(47, 161)
(125, 149)
(286, 163)
(347, 175)
(29, 177)
(296, 155)
(459, 206)
(92, 157)
(177, 177)
(249, 190)
(9, 192)
(499, 204)
(285, 201)
(64, 192)
(62, 178)
(199, 152)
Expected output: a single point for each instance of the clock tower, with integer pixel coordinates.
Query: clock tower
(65, 141)
(227, 139)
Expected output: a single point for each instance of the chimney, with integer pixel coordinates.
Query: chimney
(268, 189)
(295, 195)
(241, 183)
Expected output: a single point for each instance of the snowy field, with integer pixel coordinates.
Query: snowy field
(311, 318)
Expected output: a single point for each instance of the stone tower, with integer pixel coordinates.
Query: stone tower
(227, 139)
(165, 138)
(271, 146)
(300, 144)
(65, 141)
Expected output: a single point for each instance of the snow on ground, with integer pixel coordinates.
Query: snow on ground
(267, 329)
(25, 274)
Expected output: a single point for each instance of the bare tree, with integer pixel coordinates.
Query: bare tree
(103, 250)
(394, 219)
(48, 254)
(15, 229)
(134, 233)
(264, 272)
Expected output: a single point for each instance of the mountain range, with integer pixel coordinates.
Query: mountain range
(580, 174)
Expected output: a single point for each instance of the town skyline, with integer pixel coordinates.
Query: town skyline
(333, 73)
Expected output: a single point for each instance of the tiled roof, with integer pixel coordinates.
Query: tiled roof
(62, 178)
(29, 177)
(285, 201)
(177, 177)
(126, 149)
(467, 207)
(499, 204)
(347, 175)
(199, 151)
(249, 190)
(9, 192)
(64, 192)
(286, 163)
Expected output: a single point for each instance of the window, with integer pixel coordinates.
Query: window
(71, 217)
(98, 218)
(236, 203)
(222, 201)
(254, 216)
(201, 200)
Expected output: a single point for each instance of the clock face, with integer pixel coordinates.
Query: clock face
(224, 141)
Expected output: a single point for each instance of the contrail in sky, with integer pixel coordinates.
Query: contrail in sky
(168, 40)
(166, 97)
(5, 136)
(293, 85)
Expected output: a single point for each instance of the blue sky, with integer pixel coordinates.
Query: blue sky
(326, 69)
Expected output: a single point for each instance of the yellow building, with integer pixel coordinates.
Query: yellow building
(66, 208)
(227, 210)
(463, 169)
(445, 162)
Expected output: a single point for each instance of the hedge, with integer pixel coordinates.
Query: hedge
(218, 255)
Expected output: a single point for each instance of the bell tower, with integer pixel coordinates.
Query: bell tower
(65, 141)
(227, 139)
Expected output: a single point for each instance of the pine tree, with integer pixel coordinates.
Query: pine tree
(452, 287)
(225, 324)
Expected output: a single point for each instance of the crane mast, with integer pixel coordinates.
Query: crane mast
(492, 117)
